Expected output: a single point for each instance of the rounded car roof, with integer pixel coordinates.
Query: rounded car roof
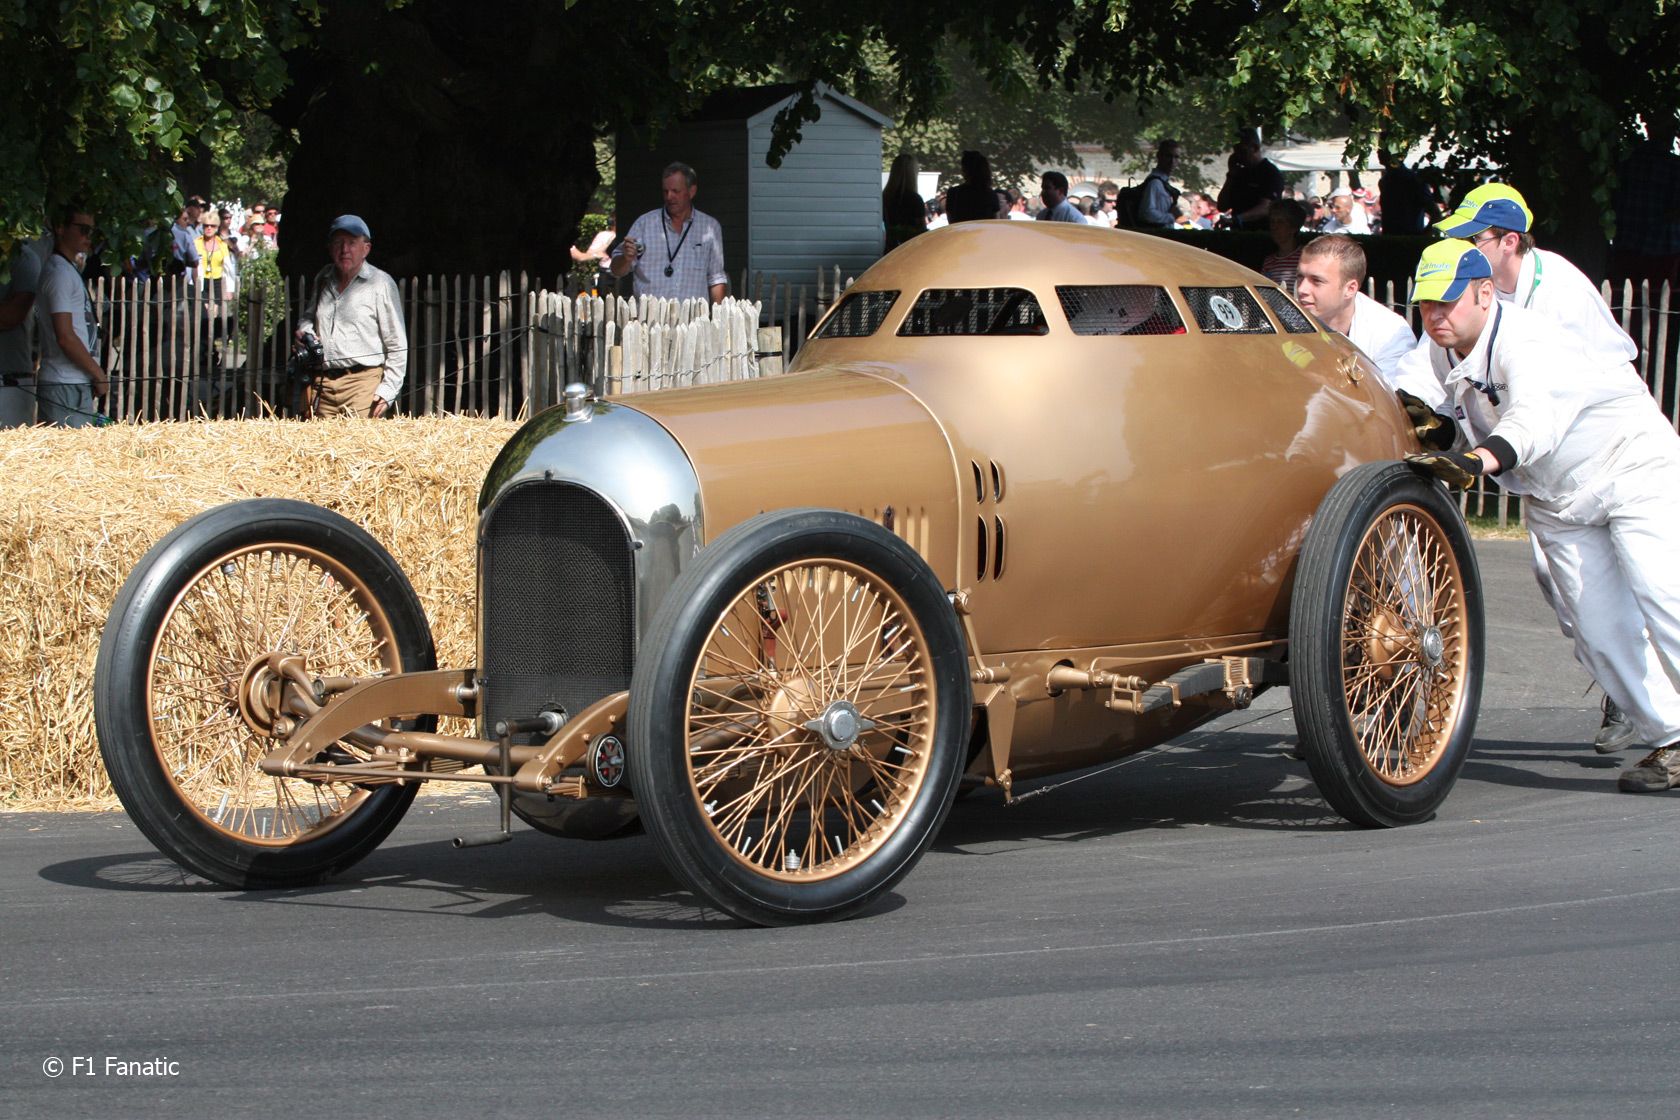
(1040, 255)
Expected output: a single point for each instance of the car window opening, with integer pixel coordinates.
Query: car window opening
(859, 315)
(1294, 320)
(1108, 309)
(989, 312)
(1227, 311)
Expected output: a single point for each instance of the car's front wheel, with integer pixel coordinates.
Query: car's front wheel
(1385, 645)
(798, 717)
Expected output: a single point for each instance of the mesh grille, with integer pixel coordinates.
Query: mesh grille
(558, 603)
(1294, 320)
(974, 311)
(859, 315)
(1226, 311)
(1120, 309)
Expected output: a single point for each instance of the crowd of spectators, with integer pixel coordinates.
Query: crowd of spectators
(1246, 200)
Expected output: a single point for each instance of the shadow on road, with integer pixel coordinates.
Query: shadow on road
(1226, 780)
(1218, 780)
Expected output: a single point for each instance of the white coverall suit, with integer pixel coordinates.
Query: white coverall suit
(1600, 466)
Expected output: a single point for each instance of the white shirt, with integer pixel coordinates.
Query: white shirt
(64, 292)
(1526, 381)
(1358, 222)
(1384, 336)
(1549, 284)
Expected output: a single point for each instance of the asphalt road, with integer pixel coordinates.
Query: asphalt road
(1192, 934)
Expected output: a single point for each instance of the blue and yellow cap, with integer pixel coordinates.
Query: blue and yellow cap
(1491, 204)
(1446, 269)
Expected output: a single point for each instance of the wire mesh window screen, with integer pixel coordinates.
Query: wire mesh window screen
(859, 315)
(975, 311)
(1294, 320)
(1227, 311)
(1120, 309)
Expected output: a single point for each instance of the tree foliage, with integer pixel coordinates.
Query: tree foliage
(473, 127)
(106, 97)
(1551, 92)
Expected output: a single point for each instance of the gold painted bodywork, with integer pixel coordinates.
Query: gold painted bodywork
(1151, 492)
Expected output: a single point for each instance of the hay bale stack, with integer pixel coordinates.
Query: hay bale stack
(81, 507)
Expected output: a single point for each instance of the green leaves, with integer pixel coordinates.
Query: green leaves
(105, 96)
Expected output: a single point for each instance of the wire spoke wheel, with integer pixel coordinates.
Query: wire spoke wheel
(799, 716)
(1385, 645)
(809, 731)
(267, 598)
(1404, 645)
(184, 695)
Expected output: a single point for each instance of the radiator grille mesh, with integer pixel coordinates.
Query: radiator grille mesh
(558, 603)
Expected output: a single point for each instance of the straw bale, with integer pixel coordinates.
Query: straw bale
(81, 507)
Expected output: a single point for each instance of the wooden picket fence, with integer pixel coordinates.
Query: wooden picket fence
(484, 345)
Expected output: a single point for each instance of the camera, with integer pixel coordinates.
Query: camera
(307, 357)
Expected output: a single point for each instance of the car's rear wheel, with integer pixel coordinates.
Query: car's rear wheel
(1386, 640)
(798, 717)
(192, 625)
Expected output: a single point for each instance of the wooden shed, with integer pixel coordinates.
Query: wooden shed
(820, 208)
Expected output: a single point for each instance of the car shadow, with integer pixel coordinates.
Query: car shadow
(1235, 779)
(618, 883)
(1227, 780)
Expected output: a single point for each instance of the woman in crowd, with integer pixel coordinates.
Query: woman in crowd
(902, 210)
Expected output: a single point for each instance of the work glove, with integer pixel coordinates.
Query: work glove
(1433, 430)
(1458, 469)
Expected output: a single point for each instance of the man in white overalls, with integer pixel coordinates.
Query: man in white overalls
(1496, 219)
(1599, 466)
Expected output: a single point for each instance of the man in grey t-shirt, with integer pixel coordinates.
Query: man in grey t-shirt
(70, 377)
(17, 364)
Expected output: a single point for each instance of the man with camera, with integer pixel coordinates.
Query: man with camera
(675, 252)
(357, 318)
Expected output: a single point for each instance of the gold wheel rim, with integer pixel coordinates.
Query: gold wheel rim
(1405, 643)
(808, 652)
(247, 603)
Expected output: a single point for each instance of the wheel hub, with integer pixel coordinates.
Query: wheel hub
(1432, 646)
(840, 725)
(259, 695)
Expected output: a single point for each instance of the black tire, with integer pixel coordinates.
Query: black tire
(1386, 658)
(200, 607)
(713, 714)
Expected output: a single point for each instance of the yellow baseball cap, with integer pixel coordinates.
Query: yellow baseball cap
(1491, 204)
(1446, 269)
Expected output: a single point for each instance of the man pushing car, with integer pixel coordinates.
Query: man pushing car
(1598, 465)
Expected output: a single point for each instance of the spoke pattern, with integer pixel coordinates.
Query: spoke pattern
(249, 603)
(1403, 698)
(797, 641)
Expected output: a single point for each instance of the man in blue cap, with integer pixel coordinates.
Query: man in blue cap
(1599, 468)
(1496, 219)
(357, 315)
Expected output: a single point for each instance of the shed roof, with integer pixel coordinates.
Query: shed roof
(756, 104)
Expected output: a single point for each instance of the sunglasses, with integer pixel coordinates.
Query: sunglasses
(86, 229)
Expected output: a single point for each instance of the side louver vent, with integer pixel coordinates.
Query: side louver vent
(989, 543)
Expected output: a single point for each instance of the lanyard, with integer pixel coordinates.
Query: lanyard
(670, 253)
(1488, 390)
(1535, 286)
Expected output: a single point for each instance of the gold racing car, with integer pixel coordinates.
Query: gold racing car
(1032, 497)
